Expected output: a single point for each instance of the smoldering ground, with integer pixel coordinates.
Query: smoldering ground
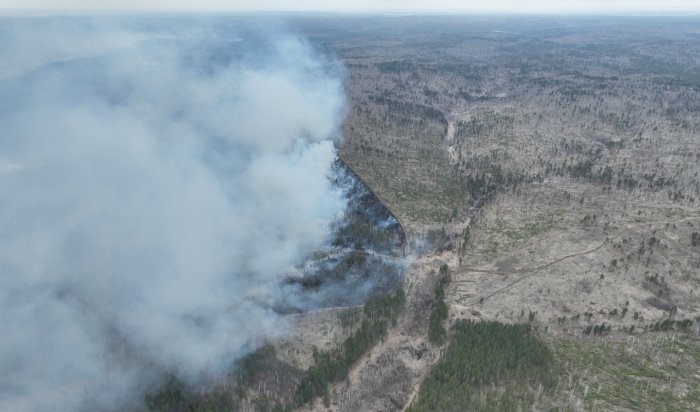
(365, 257)
(158, 179)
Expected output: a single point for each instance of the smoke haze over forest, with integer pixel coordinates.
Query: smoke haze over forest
(159, 180)
(369, 6)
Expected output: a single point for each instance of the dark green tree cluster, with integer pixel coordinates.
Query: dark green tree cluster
(656, 280)
(333, 366)
(670, 324)
(396, 66)
(658, 283)
(410, 109)
(581, 169)
(486, 184)
(359, 234)
(175, 396)
(695, 239)
(436, 330)
(584, 170)
(437, 239)
(482, 354)
(597, 330)
(531, 316)
(349, 317)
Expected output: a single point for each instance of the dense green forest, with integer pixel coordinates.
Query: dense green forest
(176, 396)
(436, 330)
(485, 368)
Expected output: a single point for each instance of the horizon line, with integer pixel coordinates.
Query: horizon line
(28, 12)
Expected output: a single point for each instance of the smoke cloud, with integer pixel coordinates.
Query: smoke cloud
(156, 186)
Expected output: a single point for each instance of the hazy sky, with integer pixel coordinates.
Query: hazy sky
(514, 6)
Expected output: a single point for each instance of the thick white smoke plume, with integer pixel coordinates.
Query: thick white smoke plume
(152, 193)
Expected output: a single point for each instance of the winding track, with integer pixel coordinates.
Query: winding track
(531, 271)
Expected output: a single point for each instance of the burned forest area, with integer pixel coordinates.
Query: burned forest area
(544, 172)
(506, 218)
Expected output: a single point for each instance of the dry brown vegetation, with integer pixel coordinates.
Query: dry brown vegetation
(552, 164)
(523, 100)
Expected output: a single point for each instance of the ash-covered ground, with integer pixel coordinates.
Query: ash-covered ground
(364, 256)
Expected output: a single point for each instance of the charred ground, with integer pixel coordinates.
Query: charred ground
(552, 163)
(550, 167)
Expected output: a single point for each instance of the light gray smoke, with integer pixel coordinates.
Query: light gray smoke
(152, 194)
